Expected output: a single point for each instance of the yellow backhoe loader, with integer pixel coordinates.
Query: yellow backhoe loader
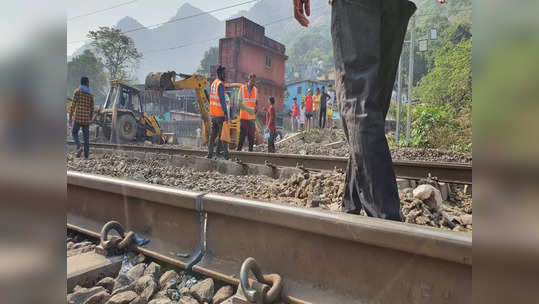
(122, 118)
(164, 81)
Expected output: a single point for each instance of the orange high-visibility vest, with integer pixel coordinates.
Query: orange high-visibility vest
(215, 102)
(249, 100)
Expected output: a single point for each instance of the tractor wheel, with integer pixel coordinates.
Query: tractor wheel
(126, 127)
(156, 139)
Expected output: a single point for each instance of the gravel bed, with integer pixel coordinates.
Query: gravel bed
(140, 282)
(313, 190)
(333, 142)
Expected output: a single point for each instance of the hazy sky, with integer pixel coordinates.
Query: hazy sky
(147, 12)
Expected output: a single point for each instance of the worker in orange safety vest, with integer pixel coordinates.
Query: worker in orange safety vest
(218, 113)
(248, 94)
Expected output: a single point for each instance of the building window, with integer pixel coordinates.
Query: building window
(268, 61)
(299, 91)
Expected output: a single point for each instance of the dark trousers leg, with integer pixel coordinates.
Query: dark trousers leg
(243, 133)
(75, 134)
(365, 72)
(86, 138)
(216, 125)
(271, 142)
(322, 119)
(251, 134)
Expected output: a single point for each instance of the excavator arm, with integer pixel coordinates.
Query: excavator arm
(167, 81)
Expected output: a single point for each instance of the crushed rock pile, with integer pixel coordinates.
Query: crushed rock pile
(156, 171)
(325, 190)
(333, 142)
(309, 189)
(139, 282)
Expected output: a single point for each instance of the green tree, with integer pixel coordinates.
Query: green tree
(87, 64)
(450, 81)
(117, 50)
(445, 120)
(309, 52)
(211, 57)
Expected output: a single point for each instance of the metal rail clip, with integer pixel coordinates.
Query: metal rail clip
(115, 244)
(266, 289)
(203, 225)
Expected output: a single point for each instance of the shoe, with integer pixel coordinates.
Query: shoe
(209, 157)
(79, 152)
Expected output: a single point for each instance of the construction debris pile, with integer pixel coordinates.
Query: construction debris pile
(333, 142)
(139, 283)
(325, 190)
(309, 189)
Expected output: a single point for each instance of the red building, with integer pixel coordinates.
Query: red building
(244, 50)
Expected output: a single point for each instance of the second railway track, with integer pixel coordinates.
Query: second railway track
(446, 172)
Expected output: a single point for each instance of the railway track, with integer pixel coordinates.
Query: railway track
(323, 257)
(445, 172)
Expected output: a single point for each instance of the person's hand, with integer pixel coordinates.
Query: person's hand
(441, 1)
(302, 7)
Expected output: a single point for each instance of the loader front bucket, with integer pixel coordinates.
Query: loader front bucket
(160, 81)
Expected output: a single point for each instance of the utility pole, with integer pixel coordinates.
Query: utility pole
(399, 98)
(410, 80)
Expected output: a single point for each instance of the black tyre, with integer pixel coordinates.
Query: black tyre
(156, 139)
(126, 127)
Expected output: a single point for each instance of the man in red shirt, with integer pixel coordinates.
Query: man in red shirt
(308, 109)
(294, 115)
(270, 125)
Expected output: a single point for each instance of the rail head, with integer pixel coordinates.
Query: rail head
(425, 241)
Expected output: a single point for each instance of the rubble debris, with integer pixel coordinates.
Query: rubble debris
(429, 195)
(322, 190)
(332, 142)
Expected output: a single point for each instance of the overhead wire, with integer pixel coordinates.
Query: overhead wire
(179, 19)
(219, 37)
(101, 10)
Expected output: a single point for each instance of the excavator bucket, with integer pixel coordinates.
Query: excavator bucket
(160, 81)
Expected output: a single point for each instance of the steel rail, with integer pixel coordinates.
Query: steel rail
(323, 257)
(446, 172)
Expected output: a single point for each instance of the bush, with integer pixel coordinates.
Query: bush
(440, 128)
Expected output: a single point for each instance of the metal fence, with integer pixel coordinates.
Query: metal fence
(181, 128)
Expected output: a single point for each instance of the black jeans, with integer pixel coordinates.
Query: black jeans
(322, 119)
(367, 42)
(271, 141)
(216, 127)
(247, 129)
(85, 136)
